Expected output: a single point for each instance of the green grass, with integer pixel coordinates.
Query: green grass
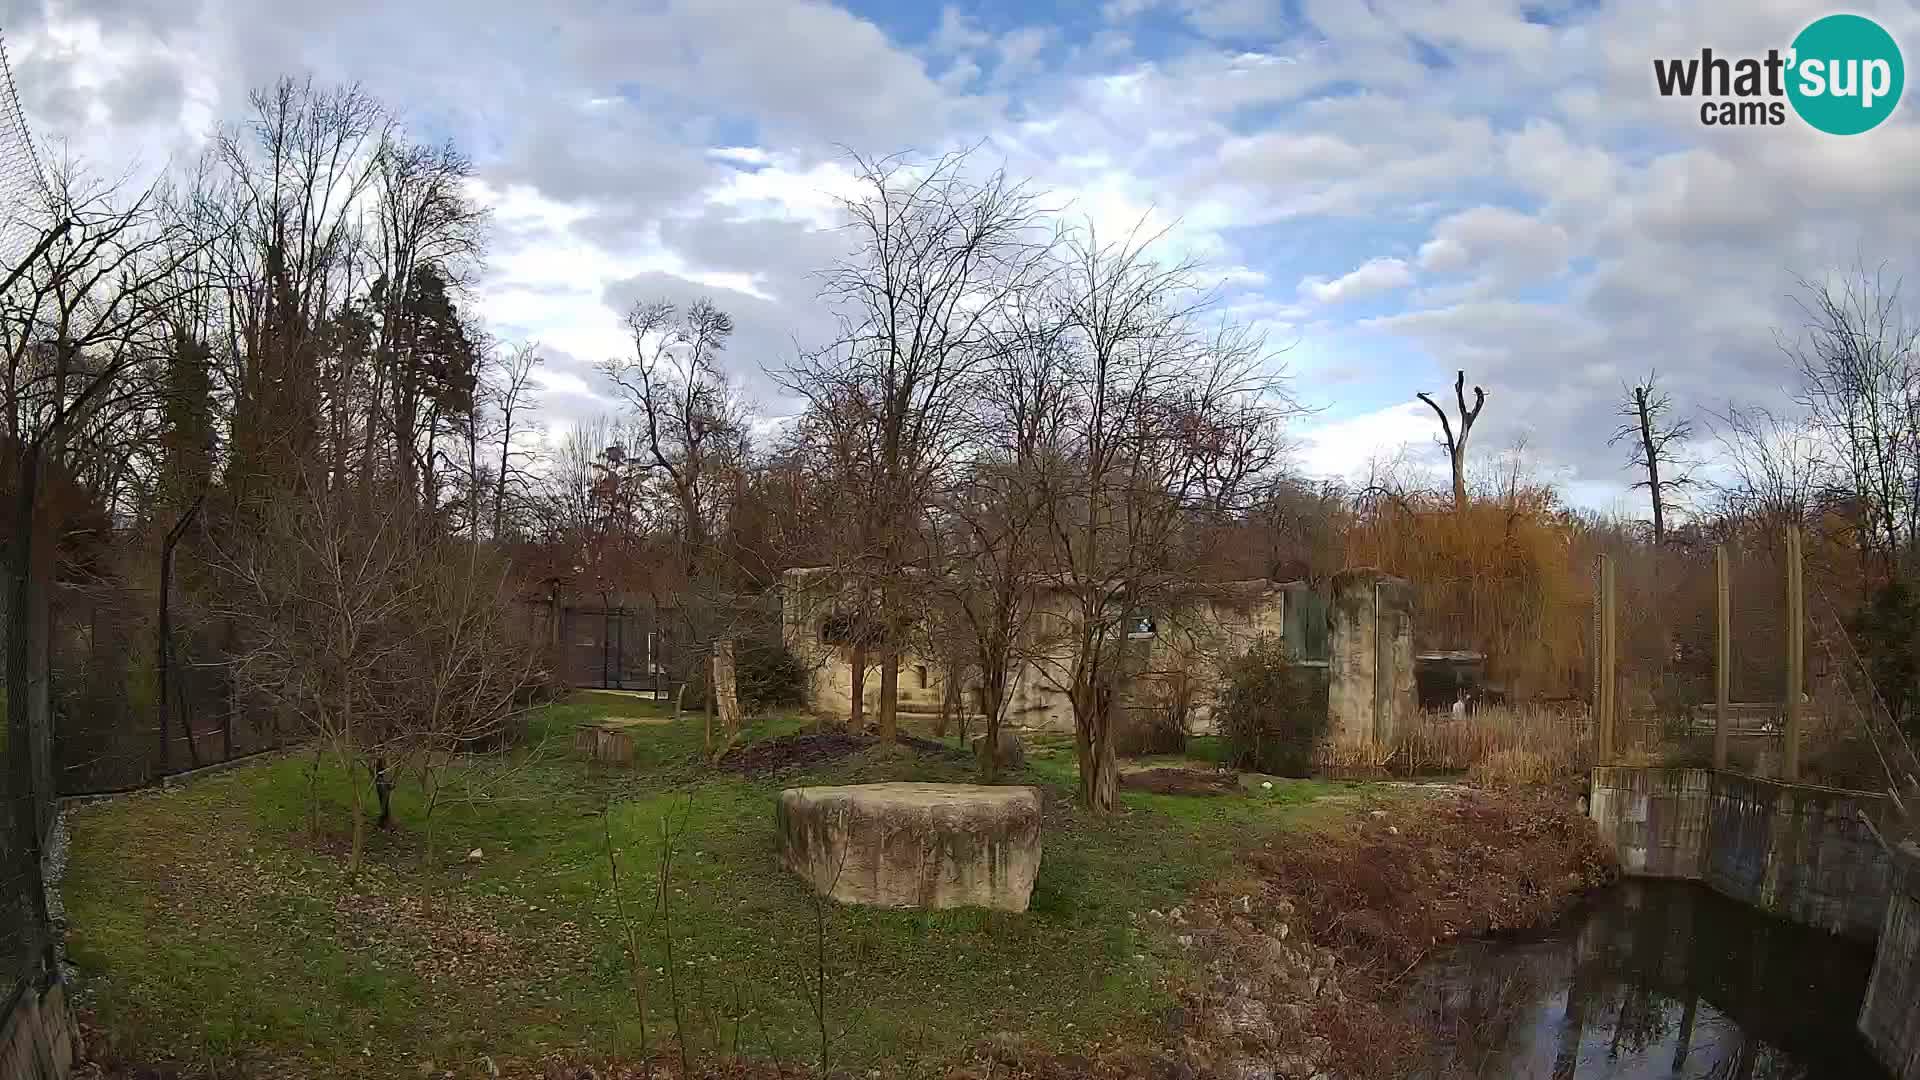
(209, 926)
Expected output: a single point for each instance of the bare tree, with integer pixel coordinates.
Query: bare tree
(938, 252)
(385, 642)
(1160, 422)
(1455, 443)
(1658, 440)
(512, 395)
(1776, 466)
(1859, 363)
(693, 433)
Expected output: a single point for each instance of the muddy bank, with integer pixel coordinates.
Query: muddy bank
(1300, 973)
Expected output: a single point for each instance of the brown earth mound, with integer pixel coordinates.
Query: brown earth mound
(793, 751)
(776, 755)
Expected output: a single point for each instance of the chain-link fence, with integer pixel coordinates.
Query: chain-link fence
(115, 728)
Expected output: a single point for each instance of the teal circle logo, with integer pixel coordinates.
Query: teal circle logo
(1846, 74)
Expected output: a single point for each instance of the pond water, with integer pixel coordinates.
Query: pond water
(1652, 979)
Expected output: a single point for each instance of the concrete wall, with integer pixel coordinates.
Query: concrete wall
(37, 1035)
(1370, 693)
(1793, 850)
(1654, 819)
(1195, 634)
(1800, 852)
(1890, 1015)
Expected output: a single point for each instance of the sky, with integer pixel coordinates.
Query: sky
(1390, 189)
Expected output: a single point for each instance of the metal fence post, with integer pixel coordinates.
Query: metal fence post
(1722, 655)
(1796, 649)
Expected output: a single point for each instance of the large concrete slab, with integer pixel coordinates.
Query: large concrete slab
(914, 845)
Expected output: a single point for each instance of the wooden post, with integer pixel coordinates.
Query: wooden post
(1722, 655)
(1796, 649)
(1607, 694)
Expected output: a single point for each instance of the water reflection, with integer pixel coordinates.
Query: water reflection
(1652, 979)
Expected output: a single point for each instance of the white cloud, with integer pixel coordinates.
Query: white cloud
(1346, 449)
(1371, 278)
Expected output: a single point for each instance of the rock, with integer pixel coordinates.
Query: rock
(1247, 1018)
(1319, 1049)
(1012, 755)
(474, 855)
(1250, 1069)
(914, 845)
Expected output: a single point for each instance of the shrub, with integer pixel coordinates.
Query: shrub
(1270, 713)
(768, 676)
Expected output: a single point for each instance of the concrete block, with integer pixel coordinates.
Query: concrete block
(914, 845)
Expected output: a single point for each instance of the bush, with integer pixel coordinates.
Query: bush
(768, 676)
(1271, 715)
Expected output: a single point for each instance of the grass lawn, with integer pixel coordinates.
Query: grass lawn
(212, 929)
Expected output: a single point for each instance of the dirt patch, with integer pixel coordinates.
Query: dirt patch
(769, 756)
(786, 752)
(1173, 781)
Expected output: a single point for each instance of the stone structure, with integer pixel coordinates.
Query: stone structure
(914, 845)
(1793, 850)
(1370, 692)
(37, 1035)
(1186, 638)
(1890, 1015)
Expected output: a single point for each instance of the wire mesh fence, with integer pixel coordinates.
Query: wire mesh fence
(113, 729)
(26, 782)
(1714, 631)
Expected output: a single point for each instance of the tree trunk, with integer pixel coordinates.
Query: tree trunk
(726, 690)
(707, 740)
(1093, 744)
(949, 700)
(889, 696)
(1459, 462)
(163, 659)
(1652, 455)
(383, 790)
(857, 703)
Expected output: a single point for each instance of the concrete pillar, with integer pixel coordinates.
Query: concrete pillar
(1370, 692)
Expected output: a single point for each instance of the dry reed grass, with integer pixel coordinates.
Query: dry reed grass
(1520, 740)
